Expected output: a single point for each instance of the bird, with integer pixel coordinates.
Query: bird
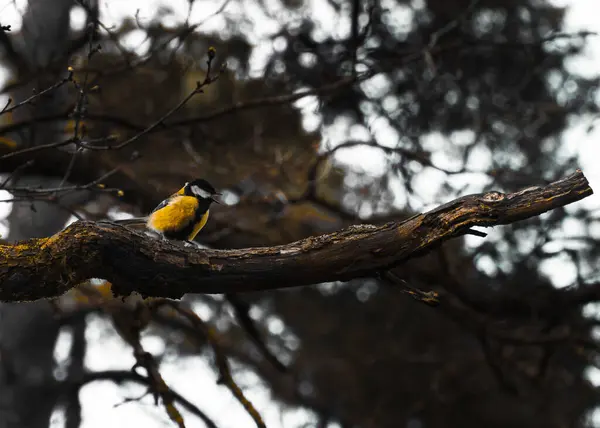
(180, 216)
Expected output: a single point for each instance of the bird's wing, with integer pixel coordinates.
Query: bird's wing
(161, 205)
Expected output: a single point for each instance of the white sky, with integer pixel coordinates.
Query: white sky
(191, 377)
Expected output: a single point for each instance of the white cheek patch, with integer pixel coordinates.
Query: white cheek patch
(200, 192)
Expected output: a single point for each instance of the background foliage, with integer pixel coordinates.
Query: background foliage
(444, 97)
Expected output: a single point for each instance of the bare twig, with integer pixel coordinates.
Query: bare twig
(160, 123)
(242, 313)
(42, 147)
(96, 185)
(36, 95)
(13, 175)
(209, 79)
(225, 376)
(79, 111)
(271, 101)
(121, 376)
(129, 321)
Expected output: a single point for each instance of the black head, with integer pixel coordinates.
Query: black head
(201, 189)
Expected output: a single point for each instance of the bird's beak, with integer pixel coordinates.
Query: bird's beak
(212, 198)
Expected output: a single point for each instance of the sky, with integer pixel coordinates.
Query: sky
(191, 377)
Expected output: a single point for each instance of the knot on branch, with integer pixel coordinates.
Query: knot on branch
(493, 197)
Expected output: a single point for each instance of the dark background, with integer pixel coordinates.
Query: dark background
(504, 348)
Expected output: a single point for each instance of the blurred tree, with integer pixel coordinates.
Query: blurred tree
(455, 96)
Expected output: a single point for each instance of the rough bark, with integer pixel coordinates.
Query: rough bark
(47, 267)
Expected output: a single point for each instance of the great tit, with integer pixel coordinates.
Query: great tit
(182, 215)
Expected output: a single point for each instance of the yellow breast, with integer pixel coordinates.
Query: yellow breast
(178, 214)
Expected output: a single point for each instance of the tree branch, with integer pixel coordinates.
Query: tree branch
(123, 376)
(48, 267)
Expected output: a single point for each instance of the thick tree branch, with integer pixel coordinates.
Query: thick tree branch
(48, 267)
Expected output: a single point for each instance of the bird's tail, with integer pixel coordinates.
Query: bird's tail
(134, 223)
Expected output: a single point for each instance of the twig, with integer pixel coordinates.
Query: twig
(42, 147)
(311, 192)
(199, 89)
(16, 172)
(95, 185)
(220, 359)
(430, 298)
(271, 101)
(79, 107)
(241, 309)
(119, 376)
(129, 320)
(243, 105)
(36, 95)
(124, 52)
